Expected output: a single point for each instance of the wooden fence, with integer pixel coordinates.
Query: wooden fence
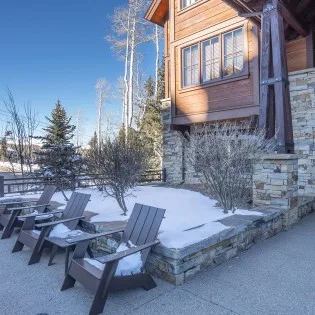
(31, 184)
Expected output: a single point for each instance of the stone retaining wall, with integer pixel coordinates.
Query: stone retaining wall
(179, 265)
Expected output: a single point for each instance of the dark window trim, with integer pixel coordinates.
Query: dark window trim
(223, 78)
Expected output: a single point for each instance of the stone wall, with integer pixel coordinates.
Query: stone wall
(302, 91)
(275, 183)
(177, 266)
(172, 147)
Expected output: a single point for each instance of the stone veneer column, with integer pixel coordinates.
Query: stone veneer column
(172, 147)
(276, 184)
(302, 93)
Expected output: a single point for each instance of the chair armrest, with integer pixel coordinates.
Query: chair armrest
(31, 215)
(16, 202)
(92, 236)
(57, 222)
(28, 207)
(117, 256)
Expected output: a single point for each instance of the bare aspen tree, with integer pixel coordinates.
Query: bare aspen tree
(79, 130)
(21, 128)
(103, 90)
(158, 35)
(130, 30)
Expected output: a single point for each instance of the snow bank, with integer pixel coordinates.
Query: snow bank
(190, 217)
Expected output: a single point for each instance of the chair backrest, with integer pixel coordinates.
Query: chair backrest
(143, 226)
(45, 197)
(75, 208)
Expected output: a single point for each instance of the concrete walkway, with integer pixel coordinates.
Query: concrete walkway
(276, 276)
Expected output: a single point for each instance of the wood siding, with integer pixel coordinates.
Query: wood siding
(296, 54)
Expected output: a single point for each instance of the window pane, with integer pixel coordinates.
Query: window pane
(233, 52)
(216, 70)
(195, 75)
(194, 55)
(238, 40)
(228, 65)
(187, 58)
(187, 80)
(238, 62)
(216, 47)
(228, 44)
(211, 54)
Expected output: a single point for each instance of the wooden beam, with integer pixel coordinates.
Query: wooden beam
(310, 49)
(250, 14)
(290, 18)
(241, 10)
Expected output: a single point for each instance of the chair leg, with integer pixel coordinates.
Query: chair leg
(148, 283)
(18, 246)
(52, 254)
(39, 247)
(89, 252)
(7, 233)
(36, 256)
(98, 303)
(68, 283)
(1, 227)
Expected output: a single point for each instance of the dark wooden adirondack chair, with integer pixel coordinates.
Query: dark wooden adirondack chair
(9, 219)
(71, 216)
(142, 229)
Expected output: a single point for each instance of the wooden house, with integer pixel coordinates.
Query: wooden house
(230, 59)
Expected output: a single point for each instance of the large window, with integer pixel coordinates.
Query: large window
(233, 52)
(211, 59)
(187, 3)
(221, 57)
(191, 65)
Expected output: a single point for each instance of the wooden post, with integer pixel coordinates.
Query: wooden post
(275, 108)
(1, 186)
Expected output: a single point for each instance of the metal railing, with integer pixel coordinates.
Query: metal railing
(32, 184)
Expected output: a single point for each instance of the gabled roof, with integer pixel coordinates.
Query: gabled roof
(158, 12)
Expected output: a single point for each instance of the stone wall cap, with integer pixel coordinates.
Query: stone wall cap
(301, 71)
(275, 156)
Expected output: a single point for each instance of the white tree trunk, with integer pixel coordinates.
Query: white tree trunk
(125, 92)
(131, 72)
(157, 59)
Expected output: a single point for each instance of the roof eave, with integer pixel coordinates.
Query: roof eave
(151, 14)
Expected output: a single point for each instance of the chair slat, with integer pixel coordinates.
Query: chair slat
(139, 225)
(147, 226)
(131, 222)
(153, 232)
(45, 197)
(77, 209)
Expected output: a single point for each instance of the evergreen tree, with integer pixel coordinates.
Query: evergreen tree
(60, 131)
(151, 124)
(59, 159)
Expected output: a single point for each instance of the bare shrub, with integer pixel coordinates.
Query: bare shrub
(120, 162)
(224, 155)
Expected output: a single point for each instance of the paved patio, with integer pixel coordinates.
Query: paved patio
(276, 276)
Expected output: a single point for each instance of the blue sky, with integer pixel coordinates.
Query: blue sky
(56, 49)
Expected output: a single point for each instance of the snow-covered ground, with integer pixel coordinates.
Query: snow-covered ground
(190, 216)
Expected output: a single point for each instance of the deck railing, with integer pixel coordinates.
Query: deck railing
(32, 184)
